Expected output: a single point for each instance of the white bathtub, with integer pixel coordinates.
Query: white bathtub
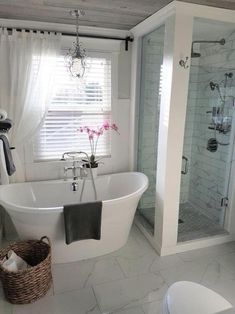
(36, 209)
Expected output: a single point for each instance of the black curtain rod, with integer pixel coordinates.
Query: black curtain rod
(126, 39)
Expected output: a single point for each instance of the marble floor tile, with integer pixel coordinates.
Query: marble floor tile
(153, 307)
(136, 265)
(71, 276)
(215, 273)
(132, 280)
(189, 271)
(74, 276)
(82, 301)
(137, 245)
(135, 310)
(164, 262)
(127, 293)
(228, 262)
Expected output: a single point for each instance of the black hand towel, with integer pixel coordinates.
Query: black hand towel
(82, 221)
(8, 156)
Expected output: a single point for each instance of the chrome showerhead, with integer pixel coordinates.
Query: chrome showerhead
(222, 41)
(197, 54)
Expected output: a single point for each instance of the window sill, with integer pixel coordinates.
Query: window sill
(67, 160)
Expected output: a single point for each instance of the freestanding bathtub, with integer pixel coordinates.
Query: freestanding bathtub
(36, 209)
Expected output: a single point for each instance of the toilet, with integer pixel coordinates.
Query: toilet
(185, 297)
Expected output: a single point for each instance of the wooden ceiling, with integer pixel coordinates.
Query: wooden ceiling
(117, 14)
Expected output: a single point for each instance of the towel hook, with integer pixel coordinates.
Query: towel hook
(183, 63)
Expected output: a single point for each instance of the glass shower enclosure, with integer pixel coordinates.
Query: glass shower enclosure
(209, 132)
(148, 127)
(184, 126)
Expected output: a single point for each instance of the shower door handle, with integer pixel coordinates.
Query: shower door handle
(185, 171)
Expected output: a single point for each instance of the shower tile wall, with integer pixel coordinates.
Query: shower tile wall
(152, 57)
(206, 183)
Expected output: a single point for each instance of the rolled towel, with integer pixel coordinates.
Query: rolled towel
(10, 265)
(3, 115)
(13, 262)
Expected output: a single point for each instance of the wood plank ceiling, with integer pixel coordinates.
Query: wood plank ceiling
(117, 14)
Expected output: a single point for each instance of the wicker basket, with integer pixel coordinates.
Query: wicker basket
(28, 285)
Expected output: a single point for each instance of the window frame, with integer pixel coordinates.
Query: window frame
(94, 48)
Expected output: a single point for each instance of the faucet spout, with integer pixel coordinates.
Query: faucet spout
(74, 186)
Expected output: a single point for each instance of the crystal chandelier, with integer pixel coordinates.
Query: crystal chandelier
(75, 59)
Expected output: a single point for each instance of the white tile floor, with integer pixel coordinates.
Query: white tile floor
(132, 280)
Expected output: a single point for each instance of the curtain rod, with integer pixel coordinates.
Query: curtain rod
(126, 39)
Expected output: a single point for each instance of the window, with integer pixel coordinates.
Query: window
(76, 103)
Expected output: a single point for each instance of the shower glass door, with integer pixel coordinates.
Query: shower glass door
(148, 124)
(209, 132)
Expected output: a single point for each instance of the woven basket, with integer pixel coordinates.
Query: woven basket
(28, 285)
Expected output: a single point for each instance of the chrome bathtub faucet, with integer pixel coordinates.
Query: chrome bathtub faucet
(74, 168)
(78, 164)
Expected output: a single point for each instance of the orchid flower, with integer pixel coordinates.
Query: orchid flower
(94, 135)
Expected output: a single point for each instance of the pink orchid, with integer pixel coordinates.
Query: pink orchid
(94, 135)
(114, 127)
(106, 125)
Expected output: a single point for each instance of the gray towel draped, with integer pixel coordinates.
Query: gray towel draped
(82, 221)
(8, 156)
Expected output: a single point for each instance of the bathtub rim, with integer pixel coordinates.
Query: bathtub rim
(9, 206)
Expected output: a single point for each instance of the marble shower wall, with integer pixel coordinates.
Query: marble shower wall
(206, 182)
(149, 109)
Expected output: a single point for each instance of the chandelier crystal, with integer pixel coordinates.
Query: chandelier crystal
(76, 57)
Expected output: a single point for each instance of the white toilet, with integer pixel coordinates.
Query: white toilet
(185, 297)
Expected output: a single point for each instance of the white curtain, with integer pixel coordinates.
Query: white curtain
(27, 68)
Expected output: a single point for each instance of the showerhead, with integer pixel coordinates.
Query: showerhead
(197, 54)
(222, 41)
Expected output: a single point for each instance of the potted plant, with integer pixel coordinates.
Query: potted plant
(93, 136)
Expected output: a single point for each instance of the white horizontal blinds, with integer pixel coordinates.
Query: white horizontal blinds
(76, 103)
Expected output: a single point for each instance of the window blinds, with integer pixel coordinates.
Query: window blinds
(76, 103)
